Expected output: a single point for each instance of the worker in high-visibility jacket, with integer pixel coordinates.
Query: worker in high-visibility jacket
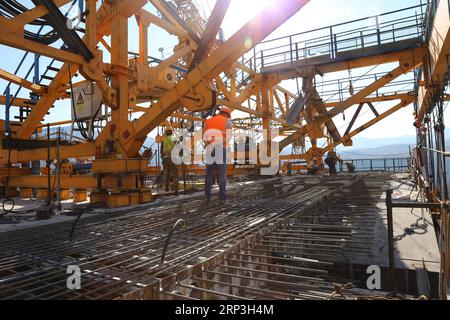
(169, 167)
(216, 137)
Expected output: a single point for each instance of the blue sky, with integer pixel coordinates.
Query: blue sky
(317, 13)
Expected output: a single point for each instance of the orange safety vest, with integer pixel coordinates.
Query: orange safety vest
(218, 123)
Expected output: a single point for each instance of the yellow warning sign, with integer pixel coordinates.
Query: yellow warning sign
(80, 99)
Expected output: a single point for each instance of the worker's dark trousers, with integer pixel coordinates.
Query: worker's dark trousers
(222, 175)
(333, 170)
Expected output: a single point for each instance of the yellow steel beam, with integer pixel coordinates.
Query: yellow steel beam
(149, 18)
(239, 107)
(18, 102)
(280, 103)
(36, 13)
(119, 57)
(210, 33)
(14, 37)
(21, 82)
(404, 103)
(81, 150)
(110, 9)
(161, 8)
(45, 102)
(66, 182)
(390, 97)
(405, 66)
(219, 60)
(104, 22)
(178, 115)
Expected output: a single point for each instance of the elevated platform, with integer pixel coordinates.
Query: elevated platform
(344, 60)
(363, 42)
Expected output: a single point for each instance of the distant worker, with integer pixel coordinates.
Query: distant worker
(216, 138)
(170, 168)
(350, 167)
(331, 161)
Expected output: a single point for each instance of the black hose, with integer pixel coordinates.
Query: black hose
(180, 223)
(84, 210)
(72, 230)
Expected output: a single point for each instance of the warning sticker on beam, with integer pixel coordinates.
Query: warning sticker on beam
(80, 99)
(87, 100)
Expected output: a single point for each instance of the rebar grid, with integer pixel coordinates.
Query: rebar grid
(119, 254)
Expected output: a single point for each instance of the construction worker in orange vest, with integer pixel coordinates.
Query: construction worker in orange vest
(217, 142)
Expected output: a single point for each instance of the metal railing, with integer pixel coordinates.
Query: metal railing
(373, 165)
(339, 89)
(391, 27)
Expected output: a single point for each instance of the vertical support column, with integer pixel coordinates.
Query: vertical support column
(7, 107)
(91, 24)
(49, 185)
(119, 58)
(233, 82)
(377, 23)
(143, 41)
(390, 221)
(58, 170)
(271, 101)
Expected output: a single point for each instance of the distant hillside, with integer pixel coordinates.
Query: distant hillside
(366, 143)
(388, 151)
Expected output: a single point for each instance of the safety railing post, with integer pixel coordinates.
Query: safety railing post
(305, 52)
(417, 25)
(331, 43)
(391, 248)
(376, 79)
(262, 58)
(291, 49)
(377, 22)
(335, 46)
(393, 33)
